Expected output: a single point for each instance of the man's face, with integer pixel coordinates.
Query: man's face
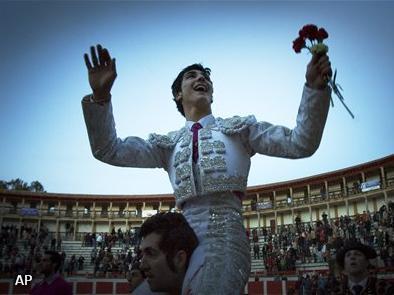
(135, 278)
(46, 265)
(154, 265)
(355, 262)
(196, 88)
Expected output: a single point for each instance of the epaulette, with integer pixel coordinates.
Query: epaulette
(166, 141)
(235, 124)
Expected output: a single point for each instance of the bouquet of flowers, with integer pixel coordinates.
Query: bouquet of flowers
(316, 36)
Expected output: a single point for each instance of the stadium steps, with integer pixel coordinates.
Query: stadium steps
(257, 265)
(71, 248)
(75, 248)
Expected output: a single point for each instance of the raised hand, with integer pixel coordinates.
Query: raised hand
(102, 72)
(318, 71)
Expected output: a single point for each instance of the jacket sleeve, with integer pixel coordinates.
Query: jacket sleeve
(304, 139)
(108, 148)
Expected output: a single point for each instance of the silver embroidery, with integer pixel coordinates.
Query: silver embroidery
(167, 141)
(225, 224)
(184, 190)
(161, 140)
(205, 133)
(217, 221)
(208, 147)
(186, 140)
(183, 172)
(235, 124)
(217, 163)
(182, 156)
(223, 183)
(219, 147)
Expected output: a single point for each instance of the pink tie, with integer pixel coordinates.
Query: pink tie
(195, 128)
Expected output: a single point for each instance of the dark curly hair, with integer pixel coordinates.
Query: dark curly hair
(176, 234)
(55, 258)
(176, 86)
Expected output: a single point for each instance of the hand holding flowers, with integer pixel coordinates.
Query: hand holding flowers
(319, 69)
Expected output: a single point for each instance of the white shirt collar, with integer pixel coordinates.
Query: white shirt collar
(204, 121)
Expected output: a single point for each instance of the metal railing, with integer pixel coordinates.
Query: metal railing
(73, 214)
(7, 209)
(318, 198)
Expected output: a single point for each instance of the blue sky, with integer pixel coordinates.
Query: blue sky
(246, 44)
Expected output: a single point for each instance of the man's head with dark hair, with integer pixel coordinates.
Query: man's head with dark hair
(177, 84)
(50, 262)
(167, 244)
(345, 258)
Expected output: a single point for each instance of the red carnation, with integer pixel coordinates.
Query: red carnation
(309, 31)
(298, 44)
(322, 34)
(302, 34)
(316, 36)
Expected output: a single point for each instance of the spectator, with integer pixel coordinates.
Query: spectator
(71, 265)
(354, 261)
(107, 261)
(93, 255)
(255, 236)
(53, 244)
(63, 261)
(256, 250)
(97, 265)
(306, 286)
(81, 260)
(166, 247)
(324, 216)
(99, 240)
(321, 285)
(52, 283)
(59, 244)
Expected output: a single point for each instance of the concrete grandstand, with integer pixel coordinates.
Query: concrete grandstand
(295, 227)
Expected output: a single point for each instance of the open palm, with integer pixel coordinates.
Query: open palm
(101, 71)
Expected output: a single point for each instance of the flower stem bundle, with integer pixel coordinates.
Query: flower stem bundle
(315, 37)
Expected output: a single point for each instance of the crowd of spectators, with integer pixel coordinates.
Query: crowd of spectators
(313, 284)
(21, 251)
(318, 242)
(119, 238)
(22, 248)
(102, 256)
(105, 261)
(278, 249)
(72, 265)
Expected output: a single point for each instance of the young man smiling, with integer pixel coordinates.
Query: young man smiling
(208, 160)
(193, 91)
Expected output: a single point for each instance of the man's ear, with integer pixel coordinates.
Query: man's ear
(178, 96)
(180, 259)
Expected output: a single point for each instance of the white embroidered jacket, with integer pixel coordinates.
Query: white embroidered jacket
(225, 145)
